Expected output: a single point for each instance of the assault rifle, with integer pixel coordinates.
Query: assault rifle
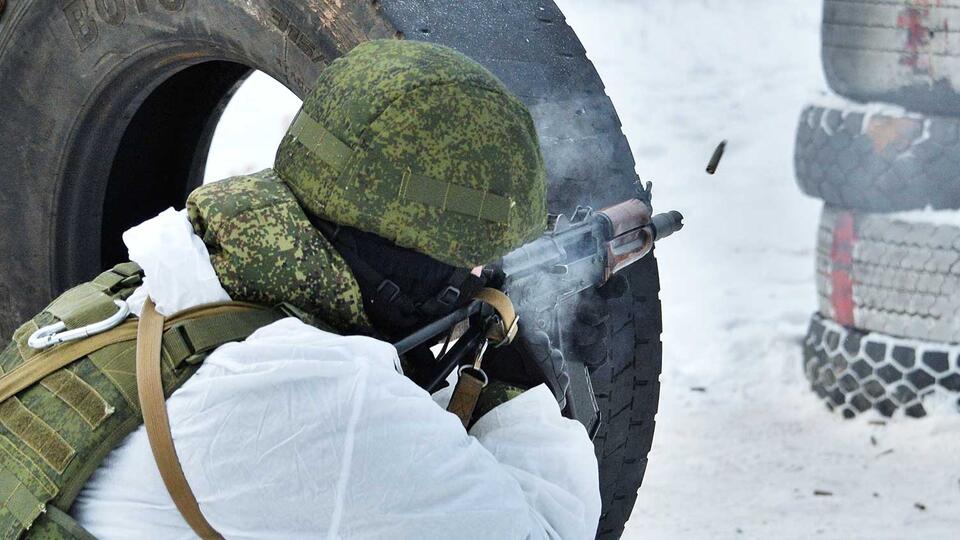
(543, 276)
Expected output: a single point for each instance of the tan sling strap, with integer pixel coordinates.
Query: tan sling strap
(465, 395)
(154, 407)
(500, 302)
(49, 360)
(472, 379)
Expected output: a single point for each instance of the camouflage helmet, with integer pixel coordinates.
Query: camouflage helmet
(417, 143)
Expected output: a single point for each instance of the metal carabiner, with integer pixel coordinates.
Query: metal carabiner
(54, 333)
(475, 367)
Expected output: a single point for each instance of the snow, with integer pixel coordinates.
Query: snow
(830, 100)
(251, 128)
(744, 457)
(928, 215)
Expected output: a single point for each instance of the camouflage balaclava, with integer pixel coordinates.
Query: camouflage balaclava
(265, 250)
(418, 144)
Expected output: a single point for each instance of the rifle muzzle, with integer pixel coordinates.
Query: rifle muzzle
(665, 224)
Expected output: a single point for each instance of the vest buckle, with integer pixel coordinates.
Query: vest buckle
(448, 296)
(391, 294)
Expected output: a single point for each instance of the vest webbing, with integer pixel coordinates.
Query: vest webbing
(66, 408)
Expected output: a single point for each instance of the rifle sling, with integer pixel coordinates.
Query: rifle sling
(465, 395)
(504, 333)
(154, 408)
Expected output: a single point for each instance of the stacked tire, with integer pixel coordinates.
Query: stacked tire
(885, 159)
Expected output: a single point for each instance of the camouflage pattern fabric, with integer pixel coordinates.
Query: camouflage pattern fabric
(54, 434)
(265, 250)
(495, 393)
(410, 141)
(418, 144)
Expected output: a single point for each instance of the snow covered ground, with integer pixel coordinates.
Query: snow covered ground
(744, 457)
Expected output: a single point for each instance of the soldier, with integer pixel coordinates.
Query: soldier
(407, 166)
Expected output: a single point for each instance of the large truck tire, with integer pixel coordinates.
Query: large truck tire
(877, 161)
(888, 274)
(855, 371)
(897, 51)
(108, 109)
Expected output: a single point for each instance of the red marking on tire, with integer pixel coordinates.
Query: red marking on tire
(841, 258)
(913, 19)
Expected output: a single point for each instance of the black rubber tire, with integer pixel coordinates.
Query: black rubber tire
(886, 274)
(855, 371)
(627, 387)
(898, 51)
(116, 123)
(878, 162)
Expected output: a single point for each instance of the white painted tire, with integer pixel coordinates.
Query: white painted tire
(899, 51)
(877, 159)
(887, 273)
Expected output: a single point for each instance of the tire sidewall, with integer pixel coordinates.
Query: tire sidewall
(94, 59)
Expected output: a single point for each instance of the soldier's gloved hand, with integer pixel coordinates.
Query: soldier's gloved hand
(531, 359)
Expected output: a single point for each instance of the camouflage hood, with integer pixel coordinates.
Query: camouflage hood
(265, 250)
(418, 144)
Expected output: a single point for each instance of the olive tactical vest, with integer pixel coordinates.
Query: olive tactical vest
(56, 430)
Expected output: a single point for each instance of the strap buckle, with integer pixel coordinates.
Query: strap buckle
(476, 372)
(394, 290)
(449, 296)
(506, 327)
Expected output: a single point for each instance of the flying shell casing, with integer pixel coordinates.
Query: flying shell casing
(715, 158)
